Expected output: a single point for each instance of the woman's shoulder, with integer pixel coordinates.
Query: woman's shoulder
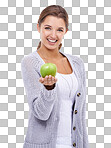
(79, 63)
(30, 59)
(30, 56)
(76, 59)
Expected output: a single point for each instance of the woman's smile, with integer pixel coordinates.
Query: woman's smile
(51, 42)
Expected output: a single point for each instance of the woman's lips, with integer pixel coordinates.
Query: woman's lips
(51, 43)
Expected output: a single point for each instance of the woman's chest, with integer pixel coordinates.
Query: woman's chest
(63, 66)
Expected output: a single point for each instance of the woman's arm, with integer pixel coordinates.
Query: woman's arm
(40, 99)
(85, 135)
(48, 87)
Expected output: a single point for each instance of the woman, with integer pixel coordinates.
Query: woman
(57, 105)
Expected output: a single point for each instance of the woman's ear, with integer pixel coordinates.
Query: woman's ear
(38, 28)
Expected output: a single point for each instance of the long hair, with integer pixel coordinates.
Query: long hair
(54, 10)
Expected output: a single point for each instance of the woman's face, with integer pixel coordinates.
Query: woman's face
(52, 28)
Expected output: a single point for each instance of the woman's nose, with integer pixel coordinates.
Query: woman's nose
(53, 34)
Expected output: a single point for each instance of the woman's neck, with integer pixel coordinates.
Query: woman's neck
(50, 54)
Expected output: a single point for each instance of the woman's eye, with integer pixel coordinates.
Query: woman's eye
(61, 30)
(49, 28)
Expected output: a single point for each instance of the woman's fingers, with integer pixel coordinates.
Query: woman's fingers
(55, 79)
(48, 80)
(41, 79)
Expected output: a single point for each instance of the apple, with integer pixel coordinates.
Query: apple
(48, 69)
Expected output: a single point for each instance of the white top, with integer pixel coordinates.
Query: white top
(64, 127)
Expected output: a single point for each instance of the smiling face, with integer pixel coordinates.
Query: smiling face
(52, 28)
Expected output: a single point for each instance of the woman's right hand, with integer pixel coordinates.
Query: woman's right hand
(48, 80)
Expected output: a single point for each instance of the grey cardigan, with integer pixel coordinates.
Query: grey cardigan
(44, 105)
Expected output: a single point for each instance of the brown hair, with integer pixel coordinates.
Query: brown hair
(54, 10)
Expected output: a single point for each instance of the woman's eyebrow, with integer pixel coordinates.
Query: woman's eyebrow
(50, 26)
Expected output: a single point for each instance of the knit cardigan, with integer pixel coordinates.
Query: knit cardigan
(44, 105)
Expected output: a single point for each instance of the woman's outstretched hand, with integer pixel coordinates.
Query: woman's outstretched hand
(48, 80)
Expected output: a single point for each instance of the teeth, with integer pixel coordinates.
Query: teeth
(52, 40)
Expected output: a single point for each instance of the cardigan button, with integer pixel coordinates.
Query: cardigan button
(78, 94)
(75, 111)
(74, 128)
(74, 144)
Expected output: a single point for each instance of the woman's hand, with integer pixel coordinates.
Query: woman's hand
(48, 80)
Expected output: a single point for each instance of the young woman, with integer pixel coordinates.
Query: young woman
(57, 105)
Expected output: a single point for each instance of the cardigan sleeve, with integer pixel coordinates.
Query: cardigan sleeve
(40, 100)
(85, 135)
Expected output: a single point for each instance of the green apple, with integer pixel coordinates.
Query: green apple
(48, 69)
